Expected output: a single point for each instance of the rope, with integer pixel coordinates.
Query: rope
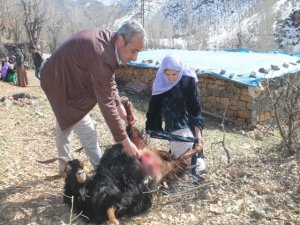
(170, 137)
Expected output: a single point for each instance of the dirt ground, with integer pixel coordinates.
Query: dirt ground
(258, 186)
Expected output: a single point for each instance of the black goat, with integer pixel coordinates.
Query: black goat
(119, 186)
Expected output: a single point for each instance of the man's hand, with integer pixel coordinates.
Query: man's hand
(130, 148)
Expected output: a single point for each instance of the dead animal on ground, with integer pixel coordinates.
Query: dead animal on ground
(120, 186)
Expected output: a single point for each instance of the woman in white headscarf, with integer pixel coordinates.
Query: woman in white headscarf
(176, 98)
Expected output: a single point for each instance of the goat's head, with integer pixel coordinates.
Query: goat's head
(163, 166)
(160, 165)
(71, 168)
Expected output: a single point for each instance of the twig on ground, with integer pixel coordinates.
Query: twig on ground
(224, 136)
(71, 210)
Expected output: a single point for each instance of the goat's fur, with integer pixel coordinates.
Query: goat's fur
(118, 187)
(118, 182)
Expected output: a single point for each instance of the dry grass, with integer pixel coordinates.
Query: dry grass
(258, 187)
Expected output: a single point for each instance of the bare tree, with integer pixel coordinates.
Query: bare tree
(54, 25)
(76, 20)
(2, 16)
(34, 18)
(159, 29)
(14, 20)
(286, 105)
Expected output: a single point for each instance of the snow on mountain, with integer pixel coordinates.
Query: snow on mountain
(287, 26)
(88, 3)
(215, 24)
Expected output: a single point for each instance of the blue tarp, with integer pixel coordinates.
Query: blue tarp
(237, 64)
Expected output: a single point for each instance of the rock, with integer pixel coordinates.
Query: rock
(222, 71)
(289, 201)
(292, 63)
(7, 102)
(148, 61)
(263, 70)
(190, 208)
(252, 74)
(224, 159)
(157, 63)
(242, 132)
(298, 61)
(216, 209)
(231, 75)
(275, 67)
(257, 210)
(285, 65)
(258, 136)
(250, 134)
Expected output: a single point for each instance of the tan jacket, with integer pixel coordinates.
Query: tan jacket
(79, 74)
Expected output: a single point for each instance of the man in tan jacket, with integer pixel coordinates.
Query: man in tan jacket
(80, 74)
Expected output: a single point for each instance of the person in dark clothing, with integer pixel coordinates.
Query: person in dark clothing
(37, 61)
(20, 69)
(176, 99)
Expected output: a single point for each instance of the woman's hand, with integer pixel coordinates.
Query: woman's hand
(198, 147)
(200, 144)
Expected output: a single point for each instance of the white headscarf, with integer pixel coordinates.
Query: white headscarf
(170, 62)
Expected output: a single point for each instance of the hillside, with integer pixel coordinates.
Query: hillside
(215, 24)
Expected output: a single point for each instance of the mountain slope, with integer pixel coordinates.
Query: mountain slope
(214, 24)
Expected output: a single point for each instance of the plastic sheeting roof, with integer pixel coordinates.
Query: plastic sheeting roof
(237, 64)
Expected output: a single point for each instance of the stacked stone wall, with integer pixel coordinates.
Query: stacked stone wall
(244, 105)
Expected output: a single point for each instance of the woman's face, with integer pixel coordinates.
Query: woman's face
(171, 75)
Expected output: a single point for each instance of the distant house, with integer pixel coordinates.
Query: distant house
(235, 81)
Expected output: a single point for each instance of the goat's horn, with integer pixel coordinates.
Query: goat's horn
(189, 153)
(128, 107)
(64, 159)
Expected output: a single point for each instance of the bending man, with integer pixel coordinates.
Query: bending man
(80, 74)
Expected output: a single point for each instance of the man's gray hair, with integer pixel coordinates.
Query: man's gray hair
(131, 28)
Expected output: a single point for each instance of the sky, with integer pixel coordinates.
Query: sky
(238, 64)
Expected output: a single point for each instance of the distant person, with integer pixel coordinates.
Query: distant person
(5, 65)
(37, 61)
(22, 79)
(11, 75)
(80, 74)
(6, 59)
(176, 99)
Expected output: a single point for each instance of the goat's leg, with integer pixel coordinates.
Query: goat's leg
(112, 216)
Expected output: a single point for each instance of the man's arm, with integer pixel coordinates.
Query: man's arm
(105, 90)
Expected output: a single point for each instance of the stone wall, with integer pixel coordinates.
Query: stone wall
(129, 74)
(244, 105)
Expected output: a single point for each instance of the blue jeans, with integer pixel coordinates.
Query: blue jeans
(37, 72)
